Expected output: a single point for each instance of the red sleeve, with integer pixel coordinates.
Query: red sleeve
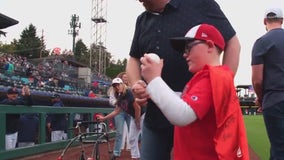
(198, 94)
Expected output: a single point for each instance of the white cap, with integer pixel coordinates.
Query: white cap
(116, 81)
(276, 11)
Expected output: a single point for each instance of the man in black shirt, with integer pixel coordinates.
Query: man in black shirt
(162, 20)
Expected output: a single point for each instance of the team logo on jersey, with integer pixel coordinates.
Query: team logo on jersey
(194, 98)
(239, 153)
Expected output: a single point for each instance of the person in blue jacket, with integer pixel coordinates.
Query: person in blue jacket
(57, 123)
(12, 120)
(28, 129)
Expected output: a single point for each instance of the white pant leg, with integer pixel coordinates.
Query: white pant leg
(134, 134)
(126, 129)
(125, 138)
(11, 140)
(58, 136)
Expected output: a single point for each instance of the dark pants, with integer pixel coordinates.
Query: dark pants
(156, 144)
(274, 122)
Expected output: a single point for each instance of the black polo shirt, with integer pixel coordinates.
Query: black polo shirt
(152, 34)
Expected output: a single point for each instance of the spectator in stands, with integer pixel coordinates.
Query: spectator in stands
(12, 120)
(29, 71)
(100, 94)
(40, 82)
(28, 129)
(57, 123)
(53, 81)
(9, 68)
(92, 94)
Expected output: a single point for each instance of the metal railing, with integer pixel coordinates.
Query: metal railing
(42, 145)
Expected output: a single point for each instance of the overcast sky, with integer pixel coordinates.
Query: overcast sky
(54, 16)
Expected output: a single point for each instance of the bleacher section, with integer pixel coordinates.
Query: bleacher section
(46, 78)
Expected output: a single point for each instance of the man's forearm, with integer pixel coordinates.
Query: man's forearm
(133, 70)
(257, 81)
(258, 91)
(137, 111)
(231, 55)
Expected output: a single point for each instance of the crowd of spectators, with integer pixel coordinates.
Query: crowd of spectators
(49, 74)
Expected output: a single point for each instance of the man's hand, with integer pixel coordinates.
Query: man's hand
(258, 103)
(140, 93)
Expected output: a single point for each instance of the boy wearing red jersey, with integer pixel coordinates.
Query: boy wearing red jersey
(207, 116)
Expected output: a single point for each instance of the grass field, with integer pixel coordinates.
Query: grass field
(257, 136)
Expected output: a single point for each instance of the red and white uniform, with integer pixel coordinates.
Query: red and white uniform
(207, 118)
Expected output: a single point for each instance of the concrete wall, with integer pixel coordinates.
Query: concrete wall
(84, 73)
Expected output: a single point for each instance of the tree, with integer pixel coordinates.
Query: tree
(81, 52)
(7, 48)
(29, 45)
(43, 51)
(100, 58)
(116, 68)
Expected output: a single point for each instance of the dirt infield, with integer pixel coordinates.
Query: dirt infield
(75, 152)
